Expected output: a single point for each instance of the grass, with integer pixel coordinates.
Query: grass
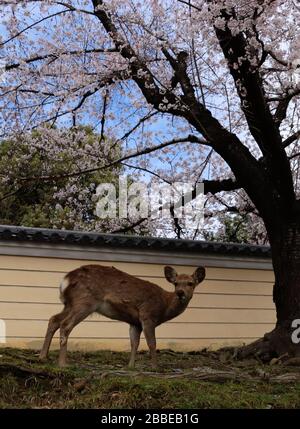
(183, 380)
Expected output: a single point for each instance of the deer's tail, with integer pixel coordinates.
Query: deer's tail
(62, 287)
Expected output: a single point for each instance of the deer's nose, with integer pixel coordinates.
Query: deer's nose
(180, 294)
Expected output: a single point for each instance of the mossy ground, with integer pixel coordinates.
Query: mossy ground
(102, 380)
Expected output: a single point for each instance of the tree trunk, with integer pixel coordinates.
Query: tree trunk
(285, 245)
(286, 292)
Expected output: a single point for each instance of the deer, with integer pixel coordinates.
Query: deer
(120, 296)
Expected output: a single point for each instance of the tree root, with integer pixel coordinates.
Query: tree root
(275, 344)
(23, 372)
(204, 374)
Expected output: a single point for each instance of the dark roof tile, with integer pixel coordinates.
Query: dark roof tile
(16, 233)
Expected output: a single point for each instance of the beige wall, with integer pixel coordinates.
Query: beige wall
(230, 307)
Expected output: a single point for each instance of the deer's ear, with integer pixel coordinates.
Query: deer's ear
(170, 274)
(199, 275)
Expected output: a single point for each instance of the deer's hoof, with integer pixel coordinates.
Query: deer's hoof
(154, 366)
(131, 366)
(42, 358)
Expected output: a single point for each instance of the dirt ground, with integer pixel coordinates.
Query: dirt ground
(200, 379)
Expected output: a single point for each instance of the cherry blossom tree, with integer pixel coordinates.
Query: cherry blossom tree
(193, 90)
(68, 203)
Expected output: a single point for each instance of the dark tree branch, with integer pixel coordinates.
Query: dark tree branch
(34, 91)
(146, 170)
(255, 107)
(188, 139)
(278, 60)
(215, 186)
(162, 101)
(191, 5)
(73, 8)
(291, 139)
(130, 227)
(283, 104)
(33, 24)
(11, 194)
(140, 122)
(55, 56)
(295, 155)
(105, 100)
(107, 80)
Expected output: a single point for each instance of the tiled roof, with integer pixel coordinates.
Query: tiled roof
(55, 236)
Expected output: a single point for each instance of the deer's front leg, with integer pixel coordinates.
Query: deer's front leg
(135, 335)
(149, 332)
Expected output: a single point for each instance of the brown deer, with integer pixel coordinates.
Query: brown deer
(118, 295)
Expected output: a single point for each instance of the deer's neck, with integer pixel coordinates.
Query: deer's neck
(175, 306)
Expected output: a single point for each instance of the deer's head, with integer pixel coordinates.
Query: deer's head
(184, 283)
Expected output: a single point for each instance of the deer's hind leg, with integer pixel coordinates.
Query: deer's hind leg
(53, 325)
(73, 318)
